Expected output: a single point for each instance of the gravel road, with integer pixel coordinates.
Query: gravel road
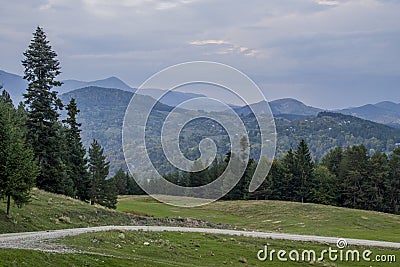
(41, 240)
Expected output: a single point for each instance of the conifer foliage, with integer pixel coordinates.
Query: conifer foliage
(75, 153)
(44, 130)
(37, 148)
(18, 168)
(103, 191)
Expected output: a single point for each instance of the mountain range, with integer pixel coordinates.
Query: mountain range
(16, 86)
(386, 112)
(103, 104)
(103, 109)
(281, 107)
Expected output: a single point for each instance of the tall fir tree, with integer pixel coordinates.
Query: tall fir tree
(272, 186)
(392, 183)
(18, 168)
(325, 187)
(229, 176)
(353, 172)
(121, 182)
(125, 184)
(332, 160)
(374, 185)
(245, 180)
(133, 188)
(198, 178)
(241, 189)
(102, 191)
(75, 155)
(304, 173)
(214, 171)
(44, 131)
(289, 185)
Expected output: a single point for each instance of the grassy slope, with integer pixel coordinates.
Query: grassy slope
(186, 249)
(49, 211)
(279, 216)
(170, 249)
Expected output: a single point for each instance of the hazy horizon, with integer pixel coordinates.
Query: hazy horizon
(219, 94)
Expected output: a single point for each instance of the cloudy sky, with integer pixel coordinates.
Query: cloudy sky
(326, 53)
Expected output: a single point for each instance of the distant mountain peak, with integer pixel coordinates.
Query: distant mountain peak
(112, 78)
(292, 106)
(288, 99)
(109, 79)
(110, 82)
(386, 103)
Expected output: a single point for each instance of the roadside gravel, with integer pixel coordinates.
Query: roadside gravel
(41, 240)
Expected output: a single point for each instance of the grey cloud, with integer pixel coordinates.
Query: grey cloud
(303, 48)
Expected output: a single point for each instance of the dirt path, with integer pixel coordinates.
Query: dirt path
(40, 240)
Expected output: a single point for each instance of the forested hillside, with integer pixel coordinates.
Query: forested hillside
(329, 130)
(102, 113)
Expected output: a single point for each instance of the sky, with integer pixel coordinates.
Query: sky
(326, 53)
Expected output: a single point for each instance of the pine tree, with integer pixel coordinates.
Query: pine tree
(132, 186)
(325, 187)
(172, 177)
(272, 186)
(101, 191)
(229, 177)
(305, 168)
(44, 131)
(246, 178)
(75, 153)
(109, 197)
(121, 182)
(18, 168)
(353, 172)
(332, 160)
(214, 171)
(373, 187)
(289, 185)
(392, 184)
(198, 178)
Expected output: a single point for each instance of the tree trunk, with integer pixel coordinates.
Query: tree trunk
(8, 205)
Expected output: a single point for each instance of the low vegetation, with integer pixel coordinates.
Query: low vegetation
(125, 248)
(49, 211)
(278, 216)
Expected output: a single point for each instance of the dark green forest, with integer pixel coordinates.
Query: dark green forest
(347, 178)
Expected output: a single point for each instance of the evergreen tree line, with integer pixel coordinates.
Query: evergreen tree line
(37, 148)
(348, 178)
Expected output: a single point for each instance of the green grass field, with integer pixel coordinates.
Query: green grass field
(278, 216)
(50, 211)
(125, 248)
